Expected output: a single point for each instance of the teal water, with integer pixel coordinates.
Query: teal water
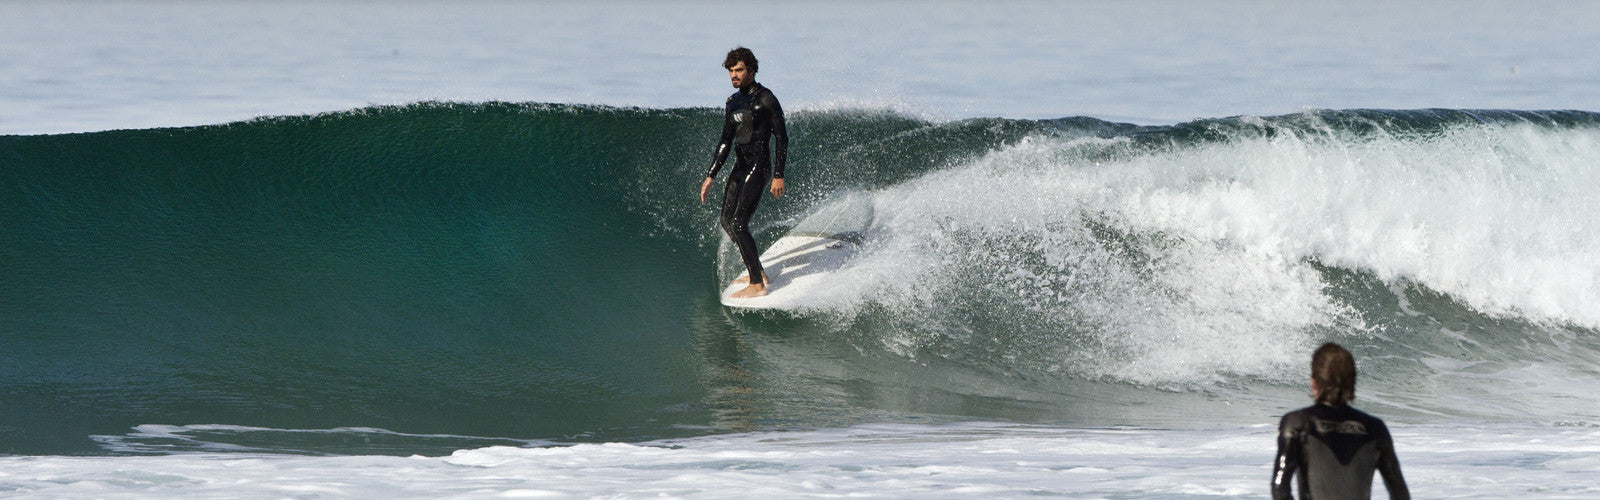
(499, 270)
(425, 278)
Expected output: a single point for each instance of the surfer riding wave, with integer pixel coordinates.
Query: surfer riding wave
(751, 119)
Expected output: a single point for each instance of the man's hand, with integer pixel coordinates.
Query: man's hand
(705, 189)
(777, 188)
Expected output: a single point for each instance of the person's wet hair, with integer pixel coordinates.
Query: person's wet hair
(1334, 370)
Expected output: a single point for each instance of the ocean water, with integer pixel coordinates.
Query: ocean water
(419, 249)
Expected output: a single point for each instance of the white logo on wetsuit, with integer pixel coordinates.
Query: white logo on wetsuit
(1342, 427)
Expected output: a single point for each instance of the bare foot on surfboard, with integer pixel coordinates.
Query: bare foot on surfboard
(744, 279)
(756, 290)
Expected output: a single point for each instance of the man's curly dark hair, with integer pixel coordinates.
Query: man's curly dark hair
(739, 55)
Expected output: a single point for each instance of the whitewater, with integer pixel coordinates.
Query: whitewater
(876, 461)
(314, 250)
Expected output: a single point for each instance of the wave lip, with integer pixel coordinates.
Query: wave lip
(153, 439)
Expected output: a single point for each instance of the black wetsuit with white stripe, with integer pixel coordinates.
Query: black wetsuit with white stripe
(1334, 450)
(752, 118)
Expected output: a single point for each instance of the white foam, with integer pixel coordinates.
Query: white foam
(1009, 231)
(899, 461)
(1501, 217)
(1223, 235)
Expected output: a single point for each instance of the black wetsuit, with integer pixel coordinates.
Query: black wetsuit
(751, 119)
(1334, 450)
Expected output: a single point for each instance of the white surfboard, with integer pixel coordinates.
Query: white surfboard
(801, 260)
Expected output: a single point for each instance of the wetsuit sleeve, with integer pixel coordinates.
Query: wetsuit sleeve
(1389, 467)
(1288, 459)
(725, 145)
(780, 131)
